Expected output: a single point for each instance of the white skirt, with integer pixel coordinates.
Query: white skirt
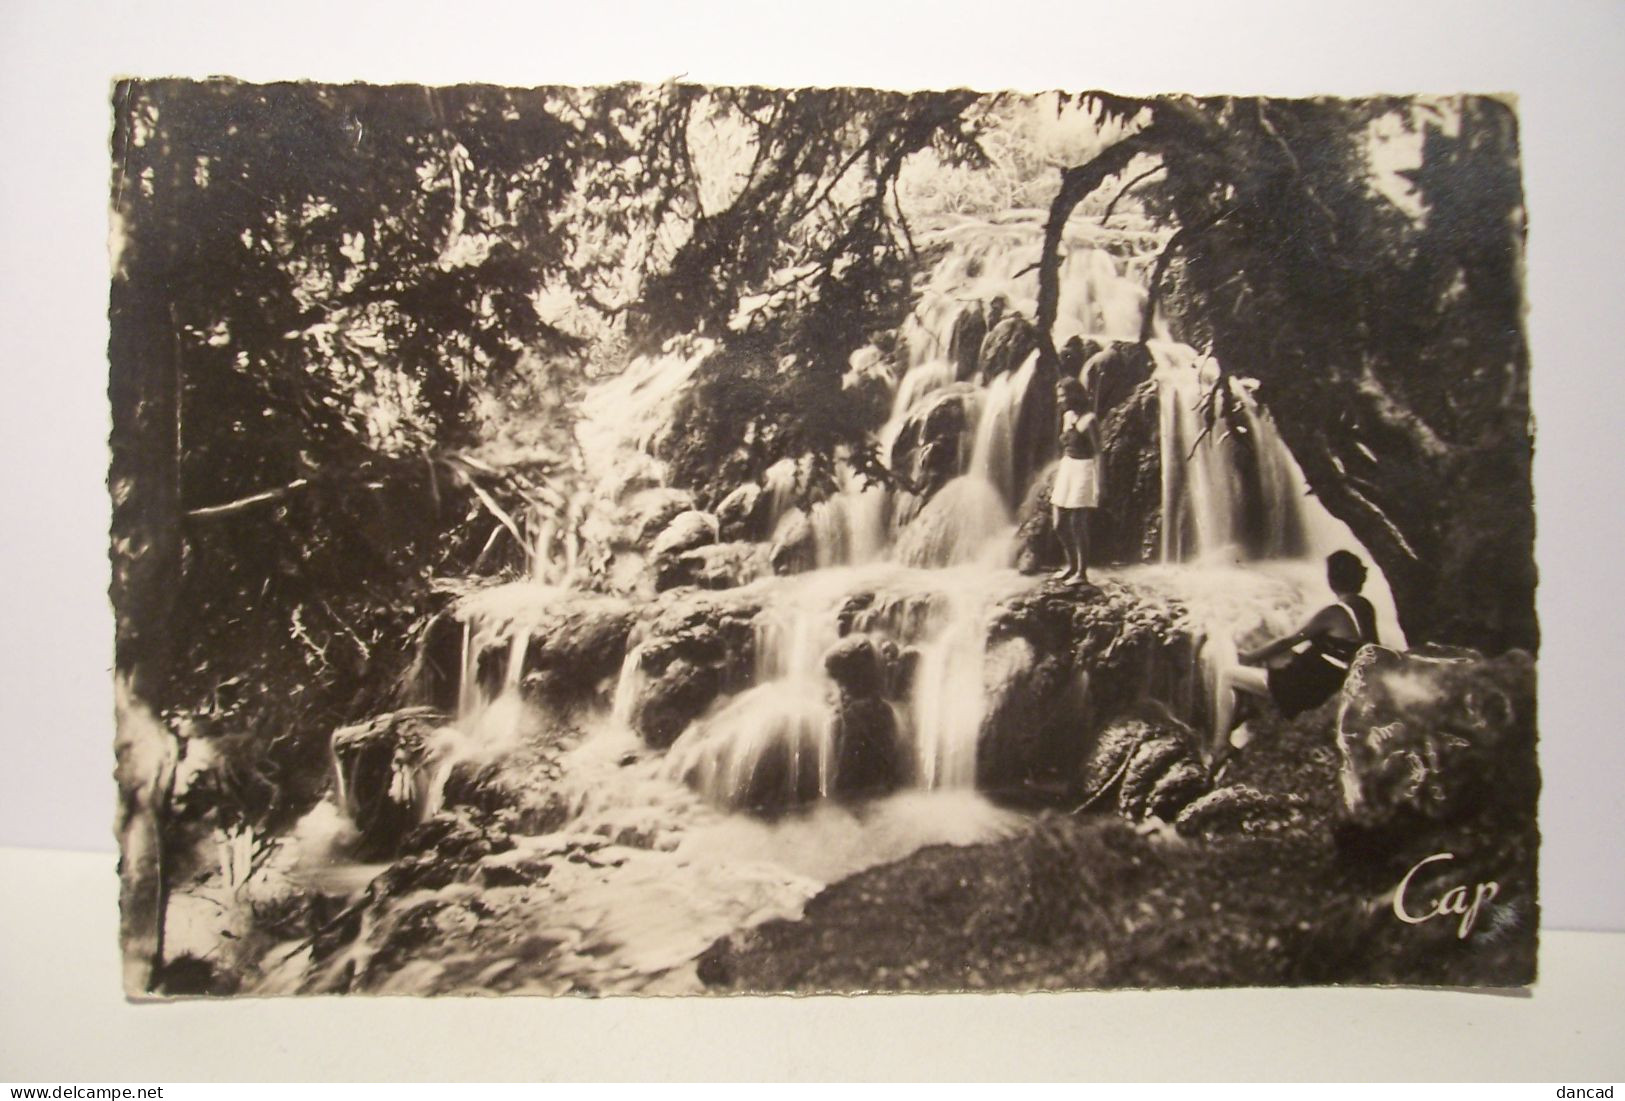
(1076, 484)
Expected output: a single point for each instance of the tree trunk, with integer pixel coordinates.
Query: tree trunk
(144, 483)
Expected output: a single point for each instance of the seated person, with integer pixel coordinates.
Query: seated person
(1315, 673)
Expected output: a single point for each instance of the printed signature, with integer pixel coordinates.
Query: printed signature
(1459, 901)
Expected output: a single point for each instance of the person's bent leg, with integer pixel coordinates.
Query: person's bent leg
(1233, 682)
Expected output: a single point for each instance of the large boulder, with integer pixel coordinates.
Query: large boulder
(574, 641)
(1115, 373)
(684, 532)
(698, 645)
(1032, 697)
(743, 513)
(864, 725)
(648, 512)
(1063, 663)
(795, 547)
(965, 341)
(1007, 344)
(1436, 734)
(576, 646)
(718, 566)
(926, 450)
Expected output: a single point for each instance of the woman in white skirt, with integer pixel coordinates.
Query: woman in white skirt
(1077, 478)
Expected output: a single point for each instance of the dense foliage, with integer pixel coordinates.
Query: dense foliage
(329, 303)
(1380, 308)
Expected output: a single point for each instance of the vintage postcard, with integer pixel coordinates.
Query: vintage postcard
(674, 539)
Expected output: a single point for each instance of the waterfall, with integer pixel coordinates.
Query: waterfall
(993, 455)
(744, 816)
(1231, 498)
(1234, 505)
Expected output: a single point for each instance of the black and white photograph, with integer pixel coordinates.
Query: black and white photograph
(699, 539)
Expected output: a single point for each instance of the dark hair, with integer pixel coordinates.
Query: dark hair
(1072, 356)
(1074, 396)
(1345, 571)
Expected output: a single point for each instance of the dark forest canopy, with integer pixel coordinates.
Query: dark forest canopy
(1386, 329)
(325, 296)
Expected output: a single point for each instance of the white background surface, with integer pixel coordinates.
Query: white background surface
(56, 64)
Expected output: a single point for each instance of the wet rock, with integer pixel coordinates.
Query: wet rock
(743, 514)
(675, 699)
(1007, 344)
(1128, 523)
(903, 673)
(1150, 761)
(718, 566)
(1114, 373)
(651, 510)
(1103, 767)
(867, 386)
(852, 611)
(686, 531)
(854, 666)
(438, 853)
(1435, 734)
(577, 644)
(927, 448)
(795, 548)
(1234, 808)
(438, 670)
(867, 760)
(379, 765)
(457, 838)
(1036, 441)
(1181, 784)
(1038, 548)
(864, 725)
(521, 791)
(1090, 656)
(1151, 764)
(1033, 704)
(1077, 352)
(965, 341)
(698, 645)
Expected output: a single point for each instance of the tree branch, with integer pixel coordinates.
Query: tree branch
(1077, 183)
(1111, 207)
(243, 504)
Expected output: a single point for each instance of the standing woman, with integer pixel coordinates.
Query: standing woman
(1077, 478)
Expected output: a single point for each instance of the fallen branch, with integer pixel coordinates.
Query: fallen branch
(243, 504)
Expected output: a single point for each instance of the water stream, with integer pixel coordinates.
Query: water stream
(1242, 542)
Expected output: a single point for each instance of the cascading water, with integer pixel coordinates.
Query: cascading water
(1240, 535)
